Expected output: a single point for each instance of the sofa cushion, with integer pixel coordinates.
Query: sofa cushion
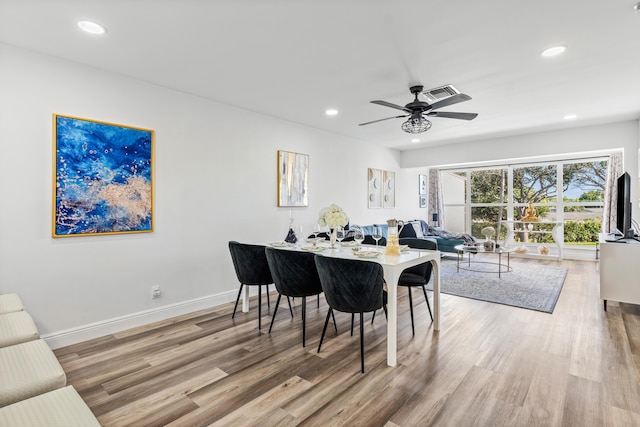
(17, 327)
(59, 408)
(27, 370)
(10, 303)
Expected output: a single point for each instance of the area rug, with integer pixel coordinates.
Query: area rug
(530, 286)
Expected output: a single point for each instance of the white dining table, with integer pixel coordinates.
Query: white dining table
(392, 267)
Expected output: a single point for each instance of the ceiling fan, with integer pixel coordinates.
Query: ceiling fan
(417, 110)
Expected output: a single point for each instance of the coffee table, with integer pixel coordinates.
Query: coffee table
(470, 250)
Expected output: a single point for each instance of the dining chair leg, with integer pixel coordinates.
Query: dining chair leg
(259, 306)
(290, 308)
(304, 321)
(335, 325)
(326, 322)
(318, 300)
(373, 317)
(275, 311)
(352, 321)
(237, 299)
(413, 331)
(362, 342)
(426, 298)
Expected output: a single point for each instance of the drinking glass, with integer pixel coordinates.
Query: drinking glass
(316, 231)
(299, 235)
(377, 234)
(358, 235)
(339, 234)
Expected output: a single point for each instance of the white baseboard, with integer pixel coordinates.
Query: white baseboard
(95, 330)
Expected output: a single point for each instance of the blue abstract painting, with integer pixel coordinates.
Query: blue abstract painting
(103, 178)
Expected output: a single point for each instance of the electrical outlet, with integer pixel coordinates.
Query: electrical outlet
(155, 292)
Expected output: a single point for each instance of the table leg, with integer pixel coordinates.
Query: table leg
(499, 265)
(245, 299)
(435, 273)
(392, 316)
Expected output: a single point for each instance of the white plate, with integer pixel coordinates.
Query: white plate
(278, 244)
(404, 248)
(367, 254)
(312, 248)
(350, 243)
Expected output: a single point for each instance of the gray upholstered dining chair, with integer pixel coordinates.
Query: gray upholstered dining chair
(417, 276)
(294, 275)
(350, 286)
(252, 269)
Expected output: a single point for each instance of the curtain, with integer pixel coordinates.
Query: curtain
(436, 204)
(614, 170)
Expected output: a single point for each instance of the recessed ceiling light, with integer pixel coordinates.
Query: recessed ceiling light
(415, 140)
(553, 51)
(637, 7)
(331, 112)
(570, 117)
(91, 27)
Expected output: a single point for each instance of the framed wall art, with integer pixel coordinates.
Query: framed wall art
(293, 179)
(375, 188)
(422, 184)
(423, 201)
(389, 189)
(102, 178)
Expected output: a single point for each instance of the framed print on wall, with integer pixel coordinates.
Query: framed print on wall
(375, 188)
(422, 184)
(423, 201)
(389, 189)
(293, 179)
(102, 178)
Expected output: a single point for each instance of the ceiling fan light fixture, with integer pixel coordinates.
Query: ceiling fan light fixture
(416, 125)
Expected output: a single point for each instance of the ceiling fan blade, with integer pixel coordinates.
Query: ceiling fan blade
(388, 104)
(452, 115)
(453, 99)
(381, 120)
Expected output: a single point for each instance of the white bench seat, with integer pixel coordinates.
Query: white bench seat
(16, 328)
(59, 408)
(27, 370)
(10, 303)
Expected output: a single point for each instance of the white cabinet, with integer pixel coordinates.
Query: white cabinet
(619, 271)
(527, 232)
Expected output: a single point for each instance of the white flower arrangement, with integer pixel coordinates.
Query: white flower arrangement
(332, 216)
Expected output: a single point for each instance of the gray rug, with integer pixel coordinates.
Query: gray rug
(530, 286)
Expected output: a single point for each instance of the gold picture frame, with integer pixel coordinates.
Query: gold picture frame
(102, 178)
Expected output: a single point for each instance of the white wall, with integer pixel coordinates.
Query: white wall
(566, 143)
(215, 181)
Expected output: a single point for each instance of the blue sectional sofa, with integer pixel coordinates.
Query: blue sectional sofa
(419, 229)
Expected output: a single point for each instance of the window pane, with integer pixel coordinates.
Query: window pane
(482, 217)
(544, 212)
(536, 184)
(453, 187)
(582, 225)
(584, 181)
(454, 219)
(489, 186)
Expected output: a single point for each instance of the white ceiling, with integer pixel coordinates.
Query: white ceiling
(293, 59)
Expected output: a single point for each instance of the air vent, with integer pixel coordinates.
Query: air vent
(438, 93)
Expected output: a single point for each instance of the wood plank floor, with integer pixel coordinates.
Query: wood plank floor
(489, 365)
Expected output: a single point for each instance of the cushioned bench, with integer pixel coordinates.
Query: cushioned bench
(16, 328)
(59, 408)
(10, 303)
(27, 370)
